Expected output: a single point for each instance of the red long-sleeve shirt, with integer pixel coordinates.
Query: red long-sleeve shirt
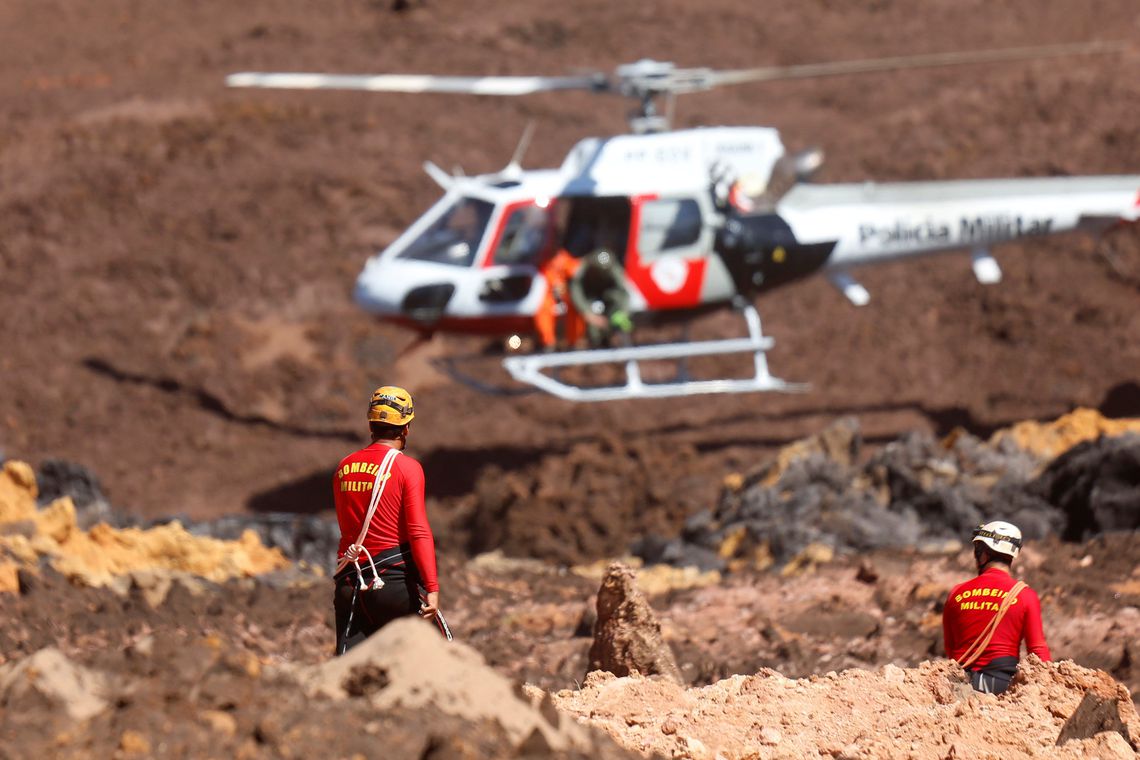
(400, 517)
(972, 605)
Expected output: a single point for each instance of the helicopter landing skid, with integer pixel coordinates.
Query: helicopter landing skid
(530, 369)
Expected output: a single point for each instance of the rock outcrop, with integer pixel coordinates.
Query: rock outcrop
(627, 635)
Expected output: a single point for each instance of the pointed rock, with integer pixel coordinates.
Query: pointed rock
(627, 635)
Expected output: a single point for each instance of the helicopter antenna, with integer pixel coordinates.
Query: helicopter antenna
(439, 175)
(514, 168)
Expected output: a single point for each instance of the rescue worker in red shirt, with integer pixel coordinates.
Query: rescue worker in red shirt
(386, 559)
(558, 271)
(986, 618)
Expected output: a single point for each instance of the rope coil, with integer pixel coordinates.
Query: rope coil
(975, 650)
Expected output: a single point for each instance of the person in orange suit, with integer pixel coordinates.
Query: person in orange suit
(558, 270)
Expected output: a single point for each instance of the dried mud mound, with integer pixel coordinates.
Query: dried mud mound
(928, 711)
(585, 503)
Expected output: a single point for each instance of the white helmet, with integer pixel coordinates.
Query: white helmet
(1002, 537)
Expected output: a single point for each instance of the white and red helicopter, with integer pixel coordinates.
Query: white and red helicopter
(700, 218)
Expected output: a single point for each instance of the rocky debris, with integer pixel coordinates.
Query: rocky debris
(926, 711)
(840, 442)
(100, 555)
(182, 695)
(57, 478)
(1052, 439)
(17, 493)
(1094, 715)
(915, 492)
(209, 674)
(309, 539)
(50, 676)
(627, 635)
(1096, 484)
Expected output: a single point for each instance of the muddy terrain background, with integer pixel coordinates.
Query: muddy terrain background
(176, 263)
(176, 258)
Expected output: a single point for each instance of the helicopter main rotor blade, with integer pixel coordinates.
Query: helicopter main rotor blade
(414, 83)
(809, 70)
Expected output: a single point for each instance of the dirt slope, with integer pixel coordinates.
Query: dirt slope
(925, 712)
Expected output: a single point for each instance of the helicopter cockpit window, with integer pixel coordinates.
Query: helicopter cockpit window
(454, 237)
(669, 226)
(524, 236)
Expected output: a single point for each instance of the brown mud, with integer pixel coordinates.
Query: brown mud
(176, 264)
(177, 258)
(202, 668)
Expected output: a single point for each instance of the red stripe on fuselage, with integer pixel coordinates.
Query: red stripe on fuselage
(641, 274)
(515, 324)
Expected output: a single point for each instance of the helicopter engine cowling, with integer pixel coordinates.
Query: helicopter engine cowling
(761, 252)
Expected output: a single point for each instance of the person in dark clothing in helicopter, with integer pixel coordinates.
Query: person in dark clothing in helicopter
(599, 293)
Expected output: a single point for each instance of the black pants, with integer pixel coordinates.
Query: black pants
(362, 612)
(994, 678)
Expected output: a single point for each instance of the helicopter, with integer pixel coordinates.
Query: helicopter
(699, 219)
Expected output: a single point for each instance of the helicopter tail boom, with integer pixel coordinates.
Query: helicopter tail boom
(870, 223)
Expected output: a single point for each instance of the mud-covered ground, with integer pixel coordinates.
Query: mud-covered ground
(176, 262)
(176, 259)
(162, 660)
(193, 672)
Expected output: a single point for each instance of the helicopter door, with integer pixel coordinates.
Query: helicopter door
(669, 254)
(522, 240)
(590, 223)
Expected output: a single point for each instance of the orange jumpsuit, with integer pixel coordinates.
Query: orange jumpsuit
(558, 270)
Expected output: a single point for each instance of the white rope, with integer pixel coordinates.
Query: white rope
(354, 550)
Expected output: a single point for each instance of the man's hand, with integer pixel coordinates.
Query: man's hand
(429, 610)
(597, 320)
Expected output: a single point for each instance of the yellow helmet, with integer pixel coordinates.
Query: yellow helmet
(391, 405)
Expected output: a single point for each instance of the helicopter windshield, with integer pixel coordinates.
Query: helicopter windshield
(454, 237)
